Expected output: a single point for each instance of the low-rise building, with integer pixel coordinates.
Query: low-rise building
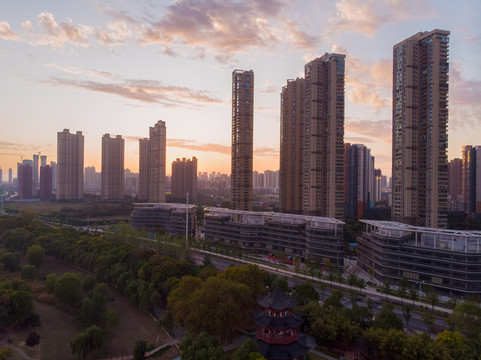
(447, 260)
(163, 216)
(268, 233)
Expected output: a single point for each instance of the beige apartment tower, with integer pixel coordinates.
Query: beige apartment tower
(152, 152)
(292, 147)
(70, 165)
(184, 179)
(323, 175)
(112, 176)
(420, 124)
(242, 138)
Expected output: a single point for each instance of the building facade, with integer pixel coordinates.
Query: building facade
(267, 233)
(112, 175)
(469, 176)
(242, 139)
(25, 181)
(169, 217)
(420, 138)
(323, 175)
(70, 165)
(45, 192)
(447, 260)
(292, 147)
(184, 179)
(152, 162)
(455, 200)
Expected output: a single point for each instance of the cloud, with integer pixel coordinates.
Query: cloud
(149, 91)
(267, 108)
(6, 33)
(358, 140)
(378, 129)
(298, 38)
(265, 151)
(57, 35)
(26, 150)
(193, 145)
(367, 16)
(268, 88)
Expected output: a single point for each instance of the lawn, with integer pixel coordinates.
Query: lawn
(58, 328)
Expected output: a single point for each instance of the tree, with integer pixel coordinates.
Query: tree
(402, 289)
(420, 346)
(371, 274)
(201, 347)
(323, 288)
(10, 261)
(407, 313)
(387, 319)
(361, 284)
(386, 288)
(333, 302)
(306, 293)
(457, 345)
(466, 318)
(429, 321)
(413, 294)
(35, 255)
(88, 283)
(32, 339)
(87, 342)
(50, 282)
(68, 289)
(351, 281)
(28, 272)
(248, 350)
(432, 298)
(167, 321)
(140, 349)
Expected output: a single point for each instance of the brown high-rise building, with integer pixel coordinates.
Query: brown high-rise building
(242, 139)
(323, 175)
(420, 121)
(468, 178)
(25, 180)
(292, 147)
(70, 165)
(152, 152)
(45, 192)
(454, 184)
(184, 179)
(112, 176)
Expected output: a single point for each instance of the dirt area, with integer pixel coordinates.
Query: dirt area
(58, 328)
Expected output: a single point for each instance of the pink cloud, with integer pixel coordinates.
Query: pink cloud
(378, 129)
(6, 32)
(57, 35)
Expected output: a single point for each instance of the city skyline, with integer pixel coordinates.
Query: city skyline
(119, 67)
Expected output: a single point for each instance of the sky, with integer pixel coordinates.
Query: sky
(118, 66)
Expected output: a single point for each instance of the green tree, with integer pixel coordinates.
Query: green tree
(10, 261)
(407, 313)
(457, 345)
(420, 346)
(87, 342)
(413, 294)
(50, 282)
(167, 321)
(361, 284)
(351, 281)
(466, 318)
(200, 347)
(87, 314)
(88, 283)
(250, 275)
(428, 320)
(140, 349)
(68, 289)
(393, 343)
(35, 255)
(323, 288)
(32, 339)
(432, 298)
(28, 272)
(386, 288)
(333, 303)
(248, 350)
(387, 319)
(306, 293)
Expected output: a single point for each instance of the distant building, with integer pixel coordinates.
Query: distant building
(268, 233)
(324, 137)
(10, 177)
(70, 165)
(152, 152)
(242, 138)
(53, 165)
(45, 192)
(420, 138)
(184, 179)
(25, 181)
(131, 180)
(469, 177)
(112, 175)
(1, 176)
(291, 171)
(164, 216)
(447, 260)
(93, 180)
(35, 175)
(43, 160)
(455, 189)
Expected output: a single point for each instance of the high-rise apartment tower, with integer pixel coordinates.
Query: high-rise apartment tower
(323, 174)
(420, 122)
(292, 147)
(70, 165)
(152, 152)
(184, 179)
(242, 139)
(112, 178)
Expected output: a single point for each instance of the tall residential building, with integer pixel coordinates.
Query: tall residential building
(420, 121)
(10, 176)
(152, 152)
(92, 180)
(43, 160)
(292, 147)
(184, 179)
(35, 174)
(53, 165)
(70, 165)
(455, 189)
(25, 180)
(360, 180)
(112, 175)
(470, 179)
(242, 138)
(323, 174)
(1, 175)
(45, 190)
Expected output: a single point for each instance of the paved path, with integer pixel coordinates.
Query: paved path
(16, 349)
